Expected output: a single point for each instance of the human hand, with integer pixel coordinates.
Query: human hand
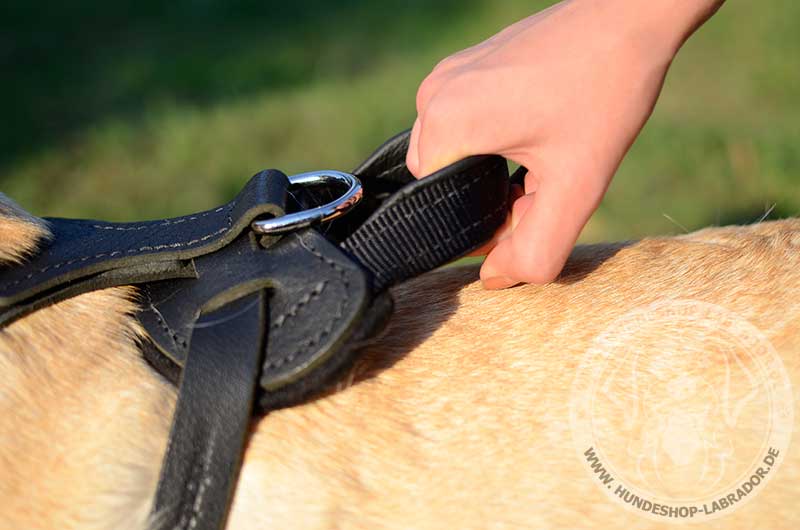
(564, 93)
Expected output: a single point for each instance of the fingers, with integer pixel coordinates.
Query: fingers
(427, 89)
(456, 123)
(444, 136)
(549, 222)
(447, 106)
(438, 137)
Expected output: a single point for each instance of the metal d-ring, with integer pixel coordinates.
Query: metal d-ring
(326, 212)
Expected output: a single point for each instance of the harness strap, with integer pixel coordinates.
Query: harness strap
(242, 322)
(209, 427)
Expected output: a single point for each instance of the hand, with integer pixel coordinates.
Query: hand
(564, 93)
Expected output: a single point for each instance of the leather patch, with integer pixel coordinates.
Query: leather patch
(317, 296)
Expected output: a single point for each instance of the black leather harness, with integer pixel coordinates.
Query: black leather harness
(246, 323)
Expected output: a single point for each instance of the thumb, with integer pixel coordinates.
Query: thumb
(412, 155)
(542, 240)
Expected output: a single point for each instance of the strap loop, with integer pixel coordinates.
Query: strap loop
(302, 219)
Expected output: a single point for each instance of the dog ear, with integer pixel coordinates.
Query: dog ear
(20, 232)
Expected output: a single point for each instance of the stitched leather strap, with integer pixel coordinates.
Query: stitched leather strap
(212, 414)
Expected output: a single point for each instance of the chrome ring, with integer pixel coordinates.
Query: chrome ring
(326, 212)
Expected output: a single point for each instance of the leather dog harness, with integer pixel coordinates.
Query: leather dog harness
(258, 304)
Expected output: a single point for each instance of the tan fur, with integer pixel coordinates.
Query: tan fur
(456, 417)
(20, 232)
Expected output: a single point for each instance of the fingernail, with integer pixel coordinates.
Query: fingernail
(498, 282)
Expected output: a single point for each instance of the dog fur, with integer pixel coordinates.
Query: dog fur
(456, 417)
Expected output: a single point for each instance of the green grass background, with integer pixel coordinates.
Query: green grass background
(129, 110)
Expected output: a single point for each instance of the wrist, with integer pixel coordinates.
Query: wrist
(663, 24)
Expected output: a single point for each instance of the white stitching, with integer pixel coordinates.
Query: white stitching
(198, 499)
(146, 248)
(292, 311)
(151, 224)
(277, 363)
(177, 341)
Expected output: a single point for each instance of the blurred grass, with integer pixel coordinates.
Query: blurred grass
(145, 109)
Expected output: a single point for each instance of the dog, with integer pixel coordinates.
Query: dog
(674, 356)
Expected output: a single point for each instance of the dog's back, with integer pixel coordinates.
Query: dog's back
(465, 413)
